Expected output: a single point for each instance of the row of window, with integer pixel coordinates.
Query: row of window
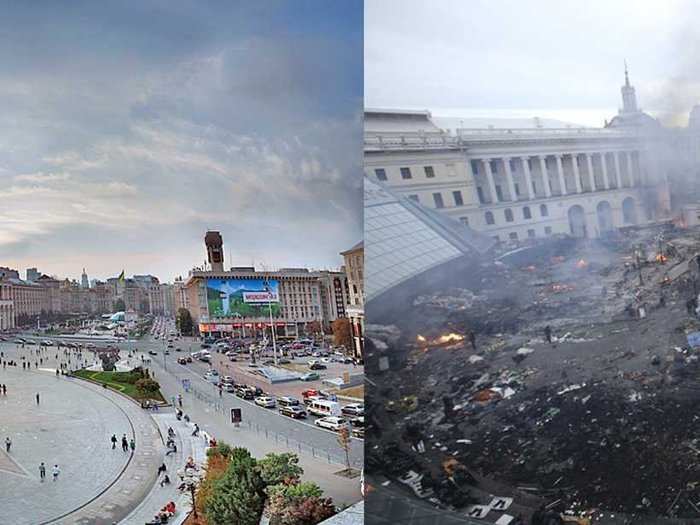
(438, 200)
(513, 236)
(405, 173)
(527, 214)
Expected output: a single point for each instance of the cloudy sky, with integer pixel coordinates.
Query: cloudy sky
(543, 58)
(129, 128)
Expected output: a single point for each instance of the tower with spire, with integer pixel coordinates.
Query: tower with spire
(84, 283)
(629, 97)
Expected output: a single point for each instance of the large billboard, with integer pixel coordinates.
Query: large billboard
(242, 297)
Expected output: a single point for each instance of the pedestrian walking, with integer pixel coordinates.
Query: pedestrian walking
(548, 334)
(37, 398)
(42, 471)
(132, 444)
(179, 400)
(8, 444)
(195, 432)
(472, 339)
(55, 471)
(114, 441)
(125, 443)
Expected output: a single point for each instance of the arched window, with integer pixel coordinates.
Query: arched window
(543, 210)
(509, 215)
(489, 218)
(526, 212)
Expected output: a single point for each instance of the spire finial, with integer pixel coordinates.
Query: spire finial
(627, 78)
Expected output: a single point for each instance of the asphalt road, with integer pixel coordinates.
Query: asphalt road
(319, 441)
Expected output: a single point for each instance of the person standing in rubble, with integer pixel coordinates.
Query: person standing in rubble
(472, 339)
(548, 334)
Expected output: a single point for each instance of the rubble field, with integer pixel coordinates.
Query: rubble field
(601, 423)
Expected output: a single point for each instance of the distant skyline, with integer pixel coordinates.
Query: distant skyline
(542, 58)
(129, 129)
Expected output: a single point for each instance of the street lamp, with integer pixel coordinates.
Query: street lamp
(272, 325)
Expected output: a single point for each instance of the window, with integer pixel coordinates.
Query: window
(513, 236)
(548, 230)
(499, 193)
(437, 198)
(475, 166)
(458, 198)
(526, 213)
(489, 218)
(406, 173)
(414, 198)
(543, 210)
(531, 234)
(480, 194)
(380, 173)
(509, 215)
(517, 189)
(464, 220)
(429, 172)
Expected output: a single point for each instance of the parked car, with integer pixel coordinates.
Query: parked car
(324, 407)
(358, 432)
(229, 387)
(244, 392)
(287, 401)
(293, 411)
(317, 366)
(331, 423)
(152, 352)
(354, 409)
(265, 401)
(182, 360)
(227, 379)
(310, 376)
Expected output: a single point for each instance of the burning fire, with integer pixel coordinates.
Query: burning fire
(581, 264)
(421, 339)
(449, 338)
(661, 258)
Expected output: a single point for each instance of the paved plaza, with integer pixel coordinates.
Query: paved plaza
(71, 427)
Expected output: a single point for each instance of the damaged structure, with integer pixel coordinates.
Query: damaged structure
(557, 380)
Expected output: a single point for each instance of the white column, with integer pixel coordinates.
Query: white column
(630, 167)
(489, 176)
(577, 175)
(591, 175)
(528, 176)
(545, 175)
(560, 172)
(604, 163)
(618, 175)
(509, 177)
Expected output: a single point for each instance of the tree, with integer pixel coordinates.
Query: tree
(342, 335)
(184, 321)
(147, 387)
(119, 305)
(344, 442)
(239, 495)
(280, 468)
(299, 504)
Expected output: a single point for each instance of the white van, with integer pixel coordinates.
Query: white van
(324, 407)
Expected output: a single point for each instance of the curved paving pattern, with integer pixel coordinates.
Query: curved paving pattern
(71, 427)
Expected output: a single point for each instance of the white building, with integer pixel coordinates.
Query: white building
(525, 180)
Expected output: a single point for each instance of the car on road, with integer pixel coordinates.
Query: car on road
(354, 409)
(184, 360)
(310, 376)
(317, 366)
(178, 349)
(227, 379)
(167, 352)
(323, 407)
(265, 401)
(293, 411)
(171, 345)
(331, 423)
(19, 341)
(287, 401)
(244, 392)
(47, 342)
(152, 352)
(358, 432)
(229, 387)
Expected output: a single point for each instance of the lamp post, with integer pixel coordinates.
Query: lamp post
(272, 325)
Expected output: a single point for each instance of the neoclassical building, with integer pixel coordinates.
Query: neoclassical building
(520, 182)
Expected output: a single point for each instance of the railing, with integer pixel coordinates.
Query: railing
(332, 456)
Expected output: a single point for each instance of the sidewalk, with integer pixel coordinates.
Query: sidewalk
(344, 491)
(187, 445)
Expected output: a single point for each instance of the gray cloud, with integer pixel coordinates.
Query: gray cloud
(122, 142)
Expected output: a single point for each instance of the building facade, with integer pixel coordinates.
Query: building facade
(523, 183)
(355, 270)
